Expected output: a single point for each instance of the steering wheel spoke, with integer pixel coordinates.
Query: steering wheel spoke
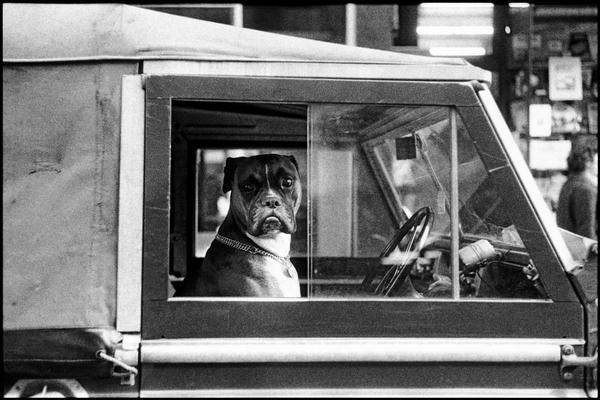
(418, 226)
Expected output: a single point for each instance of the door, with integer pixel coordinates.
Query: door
(423, 268)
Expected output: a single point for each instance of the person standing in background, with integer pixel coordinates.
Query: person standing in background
(578, 199)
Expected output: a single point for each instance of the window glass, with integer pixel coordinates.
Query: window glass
(495, 262)
(374, 217)
(205, 136)
(377, 170)
(373, 168)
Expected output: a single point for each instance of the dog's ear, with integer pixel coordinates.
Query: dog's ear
(230, 167)
(293, 160)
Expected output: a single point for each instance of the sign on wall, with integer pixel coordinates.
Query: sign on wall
(564, 75)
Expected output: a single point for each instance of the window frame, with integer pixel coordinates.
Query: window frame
(164, 317)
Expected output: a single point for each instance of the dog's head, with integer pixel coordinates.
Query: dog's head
(265, 193)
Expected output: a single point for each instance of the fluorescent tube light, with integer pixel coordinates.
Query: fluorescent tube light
(455, 30)
(457, 51)
(454, 5)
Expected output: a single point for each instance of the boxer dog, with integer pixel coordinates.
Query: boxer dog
(249, 255)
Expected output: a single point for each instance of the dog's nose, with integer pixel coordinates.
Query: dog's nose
(272, 202)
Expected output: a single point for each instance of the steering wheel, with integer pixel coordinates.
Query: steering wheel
(423, 219)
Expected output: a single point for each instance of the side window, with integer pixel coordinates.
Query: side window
(205, 135)
(363, 170)
(381, 222)
(374, 215)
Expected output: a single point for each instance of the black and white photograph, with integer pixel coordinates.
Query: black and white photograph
(300, 200)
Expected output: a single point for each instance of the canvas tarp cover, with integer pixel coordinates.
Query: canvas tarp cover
(61, 126)
(109, 31)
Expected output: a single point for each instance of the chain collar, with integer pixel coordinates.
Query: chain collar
(250, 249)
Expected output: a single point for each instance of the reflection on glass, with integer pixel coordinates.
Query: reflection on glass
(360, 155)
(486, 216)
(380, 221)
(375, 221)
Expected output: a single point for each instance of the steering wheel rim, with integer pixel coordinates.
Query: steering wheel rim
(398, 272)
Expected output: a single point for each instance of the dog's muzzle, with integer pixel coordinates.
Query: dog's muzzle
(270, 224)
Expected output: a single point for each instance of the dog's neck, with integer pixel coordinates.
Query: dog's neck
(276, 243)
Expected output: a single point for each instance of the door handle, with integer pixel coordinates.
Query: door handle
(570, 361)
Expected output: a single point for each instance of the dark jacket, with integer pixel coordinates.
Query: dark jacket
(577, 204)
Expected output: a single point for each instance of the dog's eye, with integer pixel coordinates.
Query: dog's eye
(248, 187)
(287, 182)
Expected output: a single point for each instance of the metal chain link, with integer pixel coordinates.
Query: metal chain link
(250, 249)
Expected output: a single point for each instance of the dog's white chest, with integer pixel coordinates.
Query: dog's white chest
(282, 278)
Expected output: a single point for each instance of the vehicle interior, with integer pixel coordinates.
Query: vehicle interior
(375, 218)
